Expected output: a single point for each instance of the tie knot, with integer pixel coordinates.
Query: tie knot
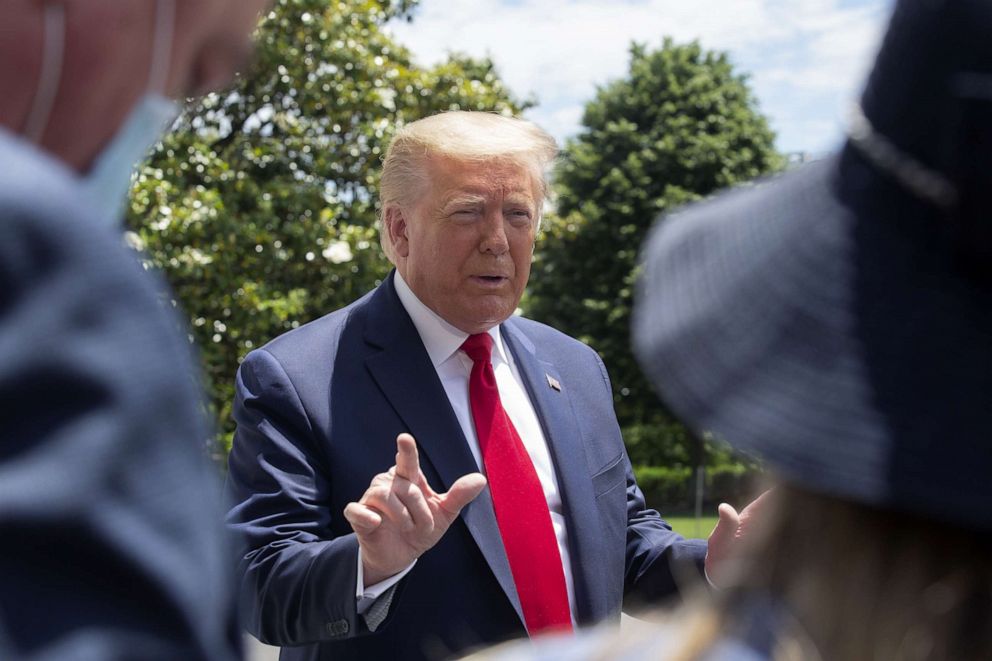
(479, 347)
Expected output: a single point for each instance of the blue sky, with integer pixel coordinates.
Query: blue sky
(807, 59)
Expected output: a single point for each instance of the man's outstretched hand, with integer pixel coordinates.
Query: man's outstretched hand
(400, 517)
(728, 535)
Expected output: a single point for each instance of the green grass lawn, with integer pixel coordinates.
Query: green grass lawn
(685, 524)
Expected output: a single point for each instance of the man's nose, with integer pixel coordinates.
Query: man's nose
(494, 234)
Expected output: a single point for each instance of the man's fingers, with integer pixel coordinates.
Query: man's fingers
(363, 519)
(383, 479)
(407, 458)
(756, 508)
(415, 502)
(462, 492)
(384, 500)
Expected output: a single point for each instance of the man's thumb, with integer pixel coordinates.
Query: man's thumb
(720, 544)
(726, 525)
(462, 492)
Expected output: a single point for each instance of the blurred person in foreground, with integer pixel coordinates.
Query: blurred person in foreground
(109, 511)
(357, 543)
(837, 322)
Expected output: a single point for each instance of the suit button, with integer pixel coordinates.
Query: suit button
(337, 628)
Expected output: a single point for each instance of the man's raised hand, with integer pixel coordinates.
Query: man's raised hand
(731, 532)
(399, 516)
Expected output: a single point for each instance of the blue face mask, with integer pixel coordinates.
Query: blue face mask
(108, 181)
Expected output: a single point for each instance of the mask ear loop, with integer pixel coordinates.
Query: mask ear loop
(165, 25)
(51, 72)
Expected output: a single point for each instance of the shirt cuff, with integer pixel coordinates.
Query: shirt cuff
(367, 596)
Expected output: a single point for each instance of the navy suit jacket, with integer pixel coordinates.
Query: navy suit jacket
(318, 411)
(110, 513)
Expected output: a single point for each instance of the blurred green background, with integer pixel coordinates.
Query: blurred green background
(261, 209)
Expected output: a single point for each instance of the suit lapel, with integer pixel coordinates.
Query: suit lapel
(549, 394)
(406, 376)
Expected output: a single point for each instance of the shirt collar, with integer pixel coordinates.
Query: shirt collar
(441, 339)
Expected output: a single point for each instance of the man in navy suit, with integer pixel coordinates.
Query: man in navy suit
(110, 513)
(363, 543)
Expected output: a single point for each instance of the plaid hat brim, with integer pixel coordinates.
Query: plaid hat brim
(819, 321)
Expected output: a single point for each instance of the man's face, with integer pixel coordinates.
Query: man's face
(465, 245)
(108, 58)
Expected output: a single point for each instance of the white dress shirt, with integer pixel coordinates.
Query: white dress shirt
(442, 341)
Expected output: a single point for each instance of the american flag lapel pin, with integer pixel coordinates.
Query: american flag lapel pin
(553, 382)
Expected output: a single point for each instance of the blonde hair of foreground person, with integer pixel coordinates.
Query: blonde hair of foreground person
(854, 583)
(461, 135)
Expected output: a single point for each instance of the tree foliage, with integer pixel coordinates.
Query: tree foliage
(261, 208)
(681, 125)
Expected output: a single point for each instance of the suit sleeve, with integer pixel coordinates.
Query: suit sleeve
(658, 560)
(298, 576)
(110, 513)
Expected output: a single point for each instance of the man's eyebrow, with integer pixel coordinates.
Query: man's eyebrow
(521, 200)
(518, 198)
(463, 198)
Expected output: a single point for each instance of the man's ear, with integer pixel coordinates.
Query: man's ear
(396, 230)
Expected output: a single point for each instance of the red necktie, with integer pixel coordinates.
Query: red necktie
(518, 499)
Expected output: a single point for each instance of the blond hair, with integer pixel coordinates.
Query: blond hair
(463, 135)
(823, 579)
(856, 582)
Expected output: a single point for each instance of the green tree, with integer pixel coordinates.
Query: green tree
(680, 126)
(261, 208)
